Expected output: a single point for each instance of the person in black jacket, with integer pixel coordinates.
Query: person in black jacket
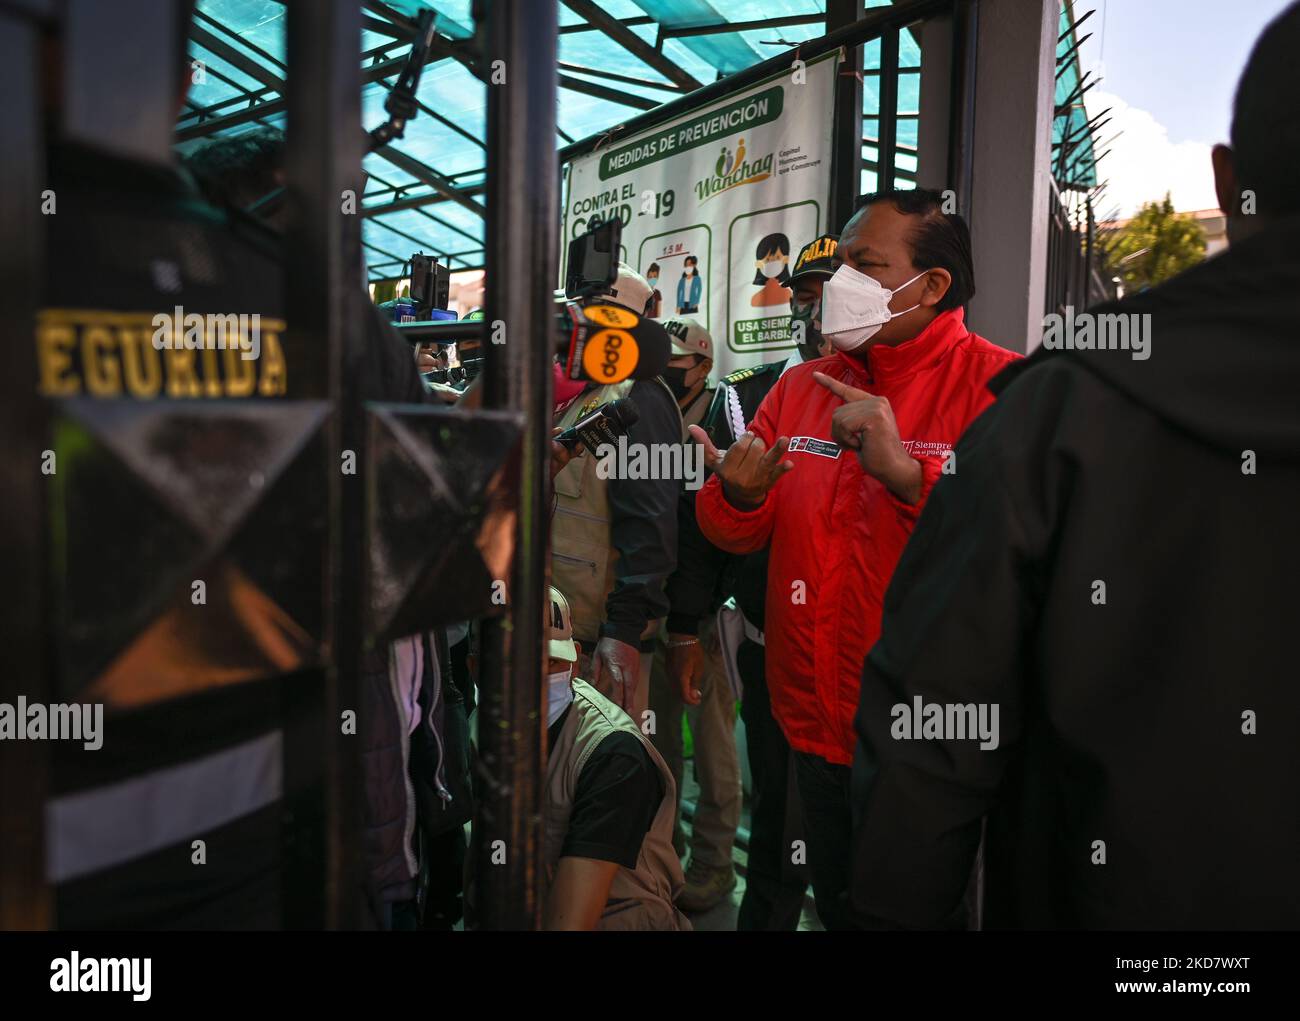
(705, 577)
(613, 528)
(1111, 568)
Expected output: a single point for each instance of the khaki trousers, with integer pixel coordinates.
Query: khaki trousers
(713, 732)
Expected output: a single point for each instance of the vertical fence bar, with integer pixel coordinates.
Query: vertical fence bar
(846, 132)
(520, 239)
(961, 145)
(323, 296)
(887, 153)
(25, 899)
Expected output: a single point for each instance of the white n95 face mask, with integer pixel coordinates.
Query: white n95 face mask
(855, 307)
(559, 693)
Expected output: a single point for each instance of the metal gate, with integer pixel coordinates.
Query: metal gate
(218, 571)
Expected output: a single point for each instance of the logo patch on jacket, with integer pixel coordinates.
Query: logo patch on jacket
(926, 448)
(812, 445)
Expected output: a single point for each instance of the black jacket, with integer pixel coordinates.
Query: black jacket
(706, 575)
(643, 522)
(1122, 724)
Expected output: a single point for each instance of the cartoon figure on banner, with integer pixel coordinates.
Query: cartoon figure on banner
(689, 287)
(773, 264)
(657, 298)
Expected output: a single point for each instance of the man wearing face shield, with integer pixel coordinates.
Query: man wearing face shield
(866, 434)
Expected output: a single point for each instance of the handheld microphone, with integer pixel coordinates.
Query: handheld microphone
(604, 425)
(607, 343)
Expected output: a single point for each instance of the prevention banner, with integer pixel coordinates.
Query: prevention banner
(716, 205)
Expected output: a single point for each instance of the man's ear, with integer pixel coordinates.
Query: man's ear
(1225, 180)
(937, 282)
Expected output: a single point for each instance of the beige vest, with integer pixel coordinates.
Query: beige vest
(582, 551)
(640, 898)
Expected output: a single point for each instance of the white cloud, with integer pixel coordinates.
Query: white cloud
(1144, 163)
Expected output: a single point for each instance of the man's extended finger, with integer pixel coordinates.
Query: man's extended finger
(841, 390)
(775, 472)
(777, 452)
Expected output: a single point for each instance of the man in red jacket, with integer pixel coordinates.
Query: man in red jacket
(866, 432)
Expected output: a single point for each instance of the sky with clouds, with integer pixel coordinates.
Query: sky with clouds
(1169, 69)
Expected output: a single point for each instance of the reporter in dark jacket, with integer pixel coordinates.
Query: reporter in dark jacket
(614, 539)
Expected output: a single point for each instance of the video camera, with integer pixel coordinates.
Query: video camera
(430, 286)
(604, 342)
(595, 341)
(593, 260)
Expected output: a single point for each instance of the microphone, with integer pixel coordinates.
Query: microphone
(606, 343)
(604, 425)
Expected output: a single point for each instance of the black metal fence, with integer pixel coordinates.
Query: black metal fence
(1076, 270)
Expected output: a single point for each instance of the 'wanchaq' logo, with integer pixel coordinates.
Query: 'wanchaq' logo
(731, 171)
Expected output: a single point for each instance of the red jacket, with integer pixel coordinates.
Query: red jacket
(836, 533)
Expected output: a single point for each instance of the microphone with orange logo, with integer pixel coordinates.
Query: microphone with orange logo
(604, 340)
(609, 343)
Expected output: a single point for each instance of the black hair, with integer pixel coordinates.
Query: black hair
(1266, 118)
(652, 268)
(239, 169)
(693, 260)
(772, 244)
(940, 241)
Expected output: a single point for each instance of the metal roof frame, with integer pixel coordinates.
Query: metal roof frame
(440, 207)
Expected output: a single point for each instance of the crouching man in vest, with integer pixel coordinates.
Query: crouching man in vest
(608, 805)
(614, 531)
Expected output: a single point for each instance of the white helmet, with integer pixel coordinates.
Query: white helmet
(630, 289)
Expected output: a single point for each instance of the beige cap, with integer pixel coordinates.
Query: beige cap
(559, 628)
(631, 290)
(688, 335)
